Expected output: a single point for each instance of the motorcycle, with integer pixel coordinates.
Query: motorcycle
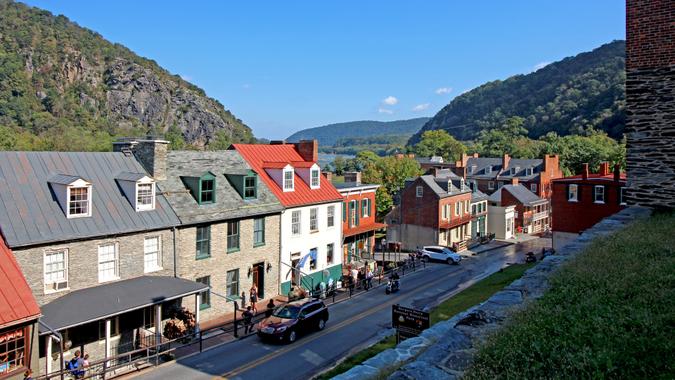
(530, 257)
(392, 286)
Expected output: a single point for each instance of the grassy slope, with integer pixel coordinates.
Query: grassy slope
(609, 314)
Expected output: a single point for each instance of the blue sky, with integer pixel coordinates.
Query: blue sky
(282, 66)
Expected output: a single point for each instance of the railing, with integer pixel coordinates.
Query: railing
(539, 216)
(454, 222)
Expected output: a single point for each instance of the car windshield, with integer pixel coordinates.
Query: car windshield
(448, 251)
(287, 312)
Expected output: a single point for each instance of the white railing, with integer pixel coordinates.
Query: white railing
(539, 216)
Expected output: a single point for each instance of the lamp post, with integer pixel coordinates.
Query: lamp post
(384, 247)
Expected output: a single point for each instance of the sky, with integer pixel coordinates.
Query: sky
(283, 66)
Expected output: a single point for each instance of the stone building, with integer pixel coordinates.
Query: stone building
(650, 104)
(94, 240)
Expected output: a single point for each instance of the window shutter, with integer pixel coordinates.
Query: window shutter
(344, 211)
(363, 208)
(356, 211)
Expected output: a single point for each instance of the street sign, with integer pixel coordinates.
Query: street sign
(408, 322)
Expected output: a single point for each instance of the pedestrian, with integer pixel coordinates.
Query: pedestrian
(355, 274)
(28, 375)
(253, 298)
(247, 315)
(85, 361)
(270, 308)
(243, 300)
(369, 278)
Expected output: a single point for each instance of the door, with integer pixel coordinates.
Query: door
(259, 279)
(295, 272)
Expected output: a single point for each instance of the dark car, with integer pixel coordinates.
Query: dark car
(294, 319)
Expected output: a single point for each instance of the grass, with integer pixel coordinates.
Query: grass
(470, 296)
(610, 313)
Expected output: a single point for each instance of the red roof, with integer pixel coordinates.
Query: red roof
(259, 156)
(17, 303)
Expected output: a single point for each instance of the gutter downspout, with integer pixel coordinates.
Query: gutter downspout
(59, 337)
(175, 256)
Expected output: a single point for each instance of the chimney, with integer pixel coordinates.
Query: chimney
(514, 180)
(150, 153)
(584, 173)
(411, 155)
(465, 159)
(308, 150)
(617, 172)
(328, 176)
(475, 155)
(353, 177)
(505, 161)
(399, 156)
(551, 161)
(604, 168)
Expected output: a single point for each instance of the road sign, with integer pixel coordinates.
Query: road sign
(408, 322)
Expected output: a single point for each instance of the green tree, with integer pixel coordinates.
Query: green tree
(339, 164)
(175, 137)
(498, 141)
(222, 141)
(439, 143)
(390, 173)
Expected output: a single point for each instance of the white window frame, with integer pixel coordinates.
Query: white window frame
(419, 191)
(491, 185)
(145, 206)
(574, 198)
(457, 208)
(314, 219)
(367, 209)
(354, 215)
(115, 261)
(488, 169)
(533, 187)
(82, 215)
(315, 174)
(158, 259)
(296, 225)
(529, 171)
(52, 286)
(622, 196)
(288, 184)
(330, 216)
(445, 212)
(596, 193)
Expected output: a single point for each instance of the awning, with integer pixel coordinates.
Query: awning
(106, 301)
(363, 229)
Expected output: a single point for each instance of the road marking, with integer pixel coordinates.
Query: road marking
(316, 336)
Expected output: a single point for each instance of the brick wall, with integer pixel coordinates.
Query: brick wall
(583, 214)
(420, 211)
(650, 102)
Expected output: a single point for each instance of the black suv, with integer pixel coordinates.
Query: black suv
(293, 319)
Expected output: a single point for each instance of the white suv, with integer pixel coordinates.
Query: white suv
(432, 252)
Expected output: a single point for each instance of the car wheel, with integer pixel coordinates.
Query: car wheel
(450, 261)
(425, 258)
(322, 324)
(292, 336)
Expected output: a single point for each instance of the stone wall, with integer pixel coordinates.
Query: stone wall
(446, 350)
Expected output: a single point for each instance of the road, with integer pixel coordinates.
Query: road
(352, 324)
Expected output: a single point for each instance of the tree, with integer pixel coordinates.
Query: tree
(222, 141)
(175, 137)
(339, 165)
(498, 141)
(439, 143)
(390, 173)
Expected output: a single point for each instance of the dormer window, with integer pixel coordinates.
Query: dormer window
(145, 196)
(529, 171)
(515, 170)
(472, 169)
(449, 187)
(288, 179)
(315, 175)
(250, 187)
(139, 190)
(488, 169)
(79, 201)
(207, 190)
(461, 184)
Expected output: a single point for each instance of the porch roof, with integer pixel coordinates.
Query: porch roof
(363, 229)
(106, 301)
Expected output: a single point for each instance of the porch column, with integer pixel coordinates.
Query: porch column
(108, 325)
(48, 353)
(198, 303)
(158, 323)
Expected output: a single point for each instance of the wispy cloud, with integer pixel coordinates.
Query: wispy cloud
(384, 110)
(390, 100)
(421, 107)
(443, 90)
(541, 65)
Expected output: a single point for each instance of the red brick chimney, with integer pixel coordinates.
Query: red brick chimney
(551, 163)
(514, 180)
(617, 172)
(328, 176)
(308, 150)
(604, 168)
(584, 173)
(505, 161)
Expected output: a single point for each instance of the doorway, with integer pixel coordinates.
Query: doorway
(259, 279)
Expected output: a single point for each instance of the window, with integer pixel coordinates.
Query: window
(315, 178)
(472, 169)
(457, 208)
(491, 185)
(622, 196)
(107, 262)
(250, 191)
(365, 207)
(295, 222)
(344, 212)
(331, 216)
(56, 270)
(78, 201)
(488, 169)
(466, 206)
(151, 255)
(599, 194)
(258, 232)
(312, 259)
(288, 180)
(445, 212)
(145, 196)
(572, 193)
(353, 214)
(529, 171)
(114, 327)
(313, 219)
(329, 253)
(232, 236)
(203, 242)
(207, 192)
(533, 187)
(14, 349)
(473, 209)
(232, 283)
(419, 191)
(205, 301)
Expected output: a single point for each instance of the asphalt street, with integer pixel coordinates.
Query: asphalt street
(352, 324)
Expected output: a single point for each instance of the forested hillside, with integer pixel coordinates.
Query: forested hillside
(572, 96)
(64, 87)
(331, 134)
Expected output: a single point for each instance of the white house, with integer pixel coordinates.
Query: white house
(501, 221)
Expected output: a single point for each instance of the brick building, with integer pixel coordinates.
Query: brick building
(531, 211)
(650, 109)
(583, 200)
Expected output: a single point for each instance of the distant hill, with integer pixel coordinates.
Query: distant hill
(64, 87)
(569, 96)
(337, 134)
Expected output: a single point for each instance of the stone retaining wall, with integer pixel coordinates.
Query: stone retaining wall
(446, 349)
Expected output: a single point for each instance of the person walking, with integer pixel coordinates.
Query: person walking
(253, 298)
(248, 320)
(28, 375)
(270, 308)
(243, 300)
(369, 278)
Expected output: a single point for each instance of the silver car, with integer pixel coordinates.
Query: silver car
(433, 252)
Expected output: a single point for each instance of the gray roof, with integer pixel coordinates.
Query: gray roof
(229, 204)
(441, 185)
(481, 163)
(62, 179)
(477, 196)
(128, 176)
(520, 192)
(105, 301)
(30, 213)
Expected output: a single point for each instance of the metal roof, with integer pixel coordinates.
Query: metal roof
(346, 186)
(520, 192)
(128, 176)
(440, 185)
(17, 304)
(63, 179)
(229, 204)
(106, 301)
(30, 213)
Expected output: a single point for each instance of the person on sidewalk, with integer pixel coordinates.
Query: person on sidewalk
(253, 298)
(247, 316)
(270, 308)
(243, 300)
(369, 278)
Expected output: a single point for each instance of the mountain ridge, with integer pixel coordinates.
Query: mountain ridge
(330, 134)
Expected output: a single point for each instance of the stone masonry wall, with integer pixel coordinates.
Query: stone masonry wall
(446, 350)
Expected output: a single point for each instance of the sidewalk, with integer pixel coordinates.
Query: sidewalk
(495, 244)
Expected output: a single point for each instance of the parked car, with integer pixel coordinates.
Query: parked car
(432, 252)
(296, 318)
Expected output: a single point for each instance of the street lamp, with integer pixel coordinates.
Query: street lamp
(384, 246)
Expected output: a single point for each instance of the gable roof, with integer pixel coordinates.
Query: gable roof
(440, 185)
(481, 163)
(17, 303)
(229, 204)
(30, 213)
(257, 154)
(520, 192)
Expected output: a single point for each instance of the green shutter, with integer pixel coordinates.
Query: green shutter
(356, 210)
(363, 208)
(344, 212)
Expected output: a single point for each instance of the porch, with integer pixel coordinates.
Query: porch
(358, 243)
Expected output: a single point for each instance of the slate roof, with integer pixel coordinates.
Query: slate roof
(439, 185)
(257, 154)
(105, 301)
(17, 304)
(229, 204)
(477, 196)
(482, 163)
(30, 213)
(520, 192)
